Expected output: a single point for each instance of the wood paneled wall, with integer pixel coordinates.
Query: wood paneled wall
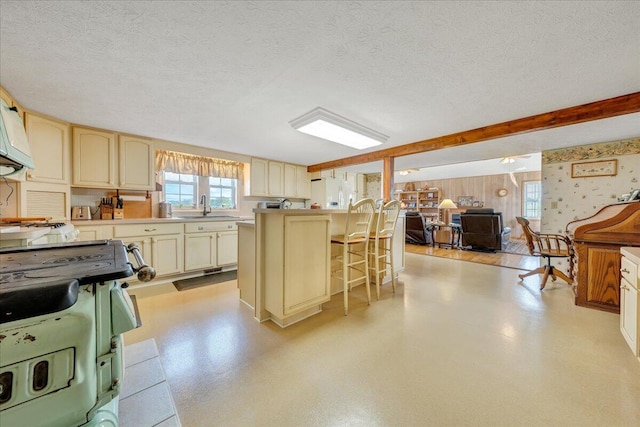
(485, 188)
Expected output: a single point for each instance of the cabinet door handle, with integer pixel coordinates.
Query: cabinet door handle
(624, 270)
(149, 229)
(200, 228)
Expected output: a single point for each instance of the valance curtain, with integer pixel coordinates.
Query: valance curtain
(172, 161)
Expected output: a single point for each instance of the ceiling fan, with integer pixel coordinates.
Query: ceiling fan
(408, 171)
(509, 160)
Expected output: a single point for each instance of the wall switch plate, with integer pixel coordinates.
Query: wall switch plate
(554, 205)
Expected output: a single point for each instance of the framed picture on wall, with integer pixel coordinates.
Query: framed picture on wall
(597, 168)
(465, 201)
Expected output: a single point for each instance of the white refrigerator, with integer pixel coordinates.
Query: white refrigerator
(331, 193)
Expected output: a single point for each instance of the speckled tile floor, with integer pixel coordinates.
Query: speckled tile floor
(459, 344)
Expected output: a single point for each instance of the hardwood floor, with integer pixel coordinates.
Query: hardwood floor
(520, 262)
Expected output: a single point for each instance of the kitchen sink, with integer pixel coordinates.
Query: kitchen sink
(207, 217)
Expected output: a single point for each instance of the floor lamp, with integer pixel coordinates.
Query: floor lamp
(446, 204)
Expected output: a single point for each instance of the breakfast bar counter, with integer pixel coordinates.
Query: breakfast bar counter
(284, 261)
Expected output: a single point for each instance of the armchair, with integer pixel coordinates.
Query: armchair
(416, 231)
(483, 230)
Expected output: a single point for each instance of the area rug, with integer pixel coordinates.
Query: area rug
(501, 259)
(209, 279)
(518, 247)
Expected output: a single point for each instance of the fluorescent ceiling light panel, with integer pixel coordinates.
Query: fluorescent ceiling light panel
(330, 126)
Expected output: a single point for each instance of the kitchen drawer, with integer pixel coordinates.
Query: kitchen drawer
(209, 226)
(129, 230)
(629, 271)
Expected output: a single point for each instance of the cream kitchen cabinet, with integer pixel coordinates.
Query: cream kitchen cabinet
(294, 258)
(259, 177)
(161, 244)
(95, 164)
(277, 179)
(93, 232)
(94, 158)
(303, 183)
(275, 183)
(290, 183)
(50, 143)
(41, 199)
(136, 163)
(210, 245)
(296, 182)
(227, 248)
(630, 298)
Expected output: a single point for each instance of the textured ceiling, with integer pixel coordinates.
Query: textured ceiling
(231, 75)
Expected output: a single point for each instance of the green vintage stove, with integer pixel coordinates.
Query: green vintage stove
(63, 310)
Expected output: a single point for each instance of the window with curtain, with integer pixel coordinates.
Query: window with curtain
(532, 199)
(188, 176)
(180, 189)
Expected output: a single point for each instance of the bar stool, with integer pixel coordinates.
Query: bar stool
(357, 231)
(382, 247)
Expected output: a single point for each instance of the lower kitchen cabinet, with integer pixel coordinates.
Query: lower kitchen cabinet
(166, 254)
(93, 232)
(199, 251)
(630, 298)
(295, 260)
(210, 245)
(227, 248)
(161, 245)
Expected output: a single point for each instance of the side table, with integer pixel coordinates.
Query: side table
(454, 230)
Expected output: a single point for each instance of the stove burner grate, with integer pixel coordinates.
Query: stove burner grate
(44, 224)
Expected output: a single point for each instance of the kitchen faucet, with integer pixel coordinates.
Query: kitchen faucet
(203, 202)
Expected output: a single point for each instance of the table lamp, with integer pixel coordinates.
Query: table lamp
(446, 204)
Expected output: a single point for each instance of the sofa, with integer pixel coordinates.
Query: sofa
(483, 230)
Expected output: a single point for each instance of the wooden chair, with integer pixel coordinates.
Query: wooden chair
(356, 236)
(382, 255)
(547, 246)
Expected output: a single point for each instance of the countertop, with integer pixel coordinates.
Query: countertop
(207, 218)
(633, 253)
(301, 211)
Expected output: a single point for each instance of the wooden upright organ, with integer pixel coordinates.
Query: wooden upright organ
(597, 241)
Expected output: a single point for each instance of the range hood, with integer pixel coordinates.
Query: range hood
(15, 153)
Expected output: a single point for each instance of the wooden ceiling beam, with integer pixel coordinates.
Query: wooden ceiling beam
(618, 106)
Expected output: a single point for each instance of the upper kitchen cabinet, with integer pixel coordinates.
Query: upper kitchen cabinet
(303, 183)
(259, 177)
(95, 163)
(50, 148)
(277, 179)
(136, 163)
(296, 182)
(94, 158)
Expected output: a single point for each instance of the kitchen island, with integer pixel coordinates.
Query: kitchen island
(285, 261)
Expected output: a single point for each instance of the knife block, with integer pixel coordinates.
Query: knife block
(106, 211)
(118, 213)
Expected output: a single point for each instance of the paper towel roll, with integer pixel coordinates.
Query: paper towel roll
(133, 198)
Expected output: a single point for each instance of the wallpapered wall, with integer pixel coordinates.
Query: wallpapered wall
(373, 183)
(565, 199)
